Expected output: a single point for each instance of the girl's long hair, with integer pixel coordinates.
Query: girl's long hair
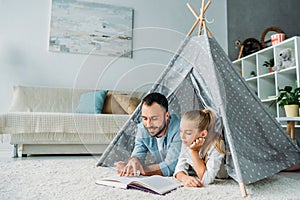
(205, 120)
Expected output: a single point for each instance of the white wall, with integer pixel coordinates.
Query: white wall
(159, 27)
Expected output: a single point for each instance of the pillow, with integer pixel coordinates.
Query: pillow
(91, 102)
(111, 106)
(20, 101)
(127, 102)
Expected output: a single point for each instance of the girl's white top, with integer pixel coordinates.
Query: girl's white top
(212, 166)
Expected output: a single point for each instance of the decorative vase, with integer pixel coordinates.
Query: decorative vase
(271, 69)
(291, 110)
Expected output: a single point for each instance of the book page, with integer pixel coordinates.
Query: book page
(155, 183)
(116, 181)
(158, 183)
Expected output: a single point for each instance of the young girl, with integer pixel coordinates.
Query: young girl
(201, 153)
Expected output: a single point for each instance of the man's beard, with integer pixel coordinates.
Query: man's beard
(162, 128)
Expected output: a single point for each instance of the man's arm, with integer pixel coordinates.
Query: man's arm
(137, 156)
(167, 167)
(153, 169)
(140, 149)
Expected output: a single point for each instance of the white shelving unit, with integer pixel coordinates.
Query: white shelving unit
(265, 84)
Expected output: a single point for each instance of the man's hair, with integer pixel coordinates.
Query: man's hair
(156, 97)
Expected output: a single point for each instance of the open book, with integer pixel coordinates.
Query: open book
(154, 184)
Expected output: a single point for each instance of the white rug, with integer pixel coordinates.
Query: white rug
(74, 178)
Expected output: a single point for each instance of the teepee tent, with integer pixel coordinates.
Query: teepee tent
(199, 76)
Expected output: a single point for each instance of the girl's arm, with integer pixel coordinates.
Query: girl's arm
(188, 181)
(180, 170)
(199, 165)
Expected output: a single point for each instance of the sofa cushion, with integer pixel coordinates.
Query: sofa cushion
(121, 102)
(111, 106)
(127, 102)
(91, 102)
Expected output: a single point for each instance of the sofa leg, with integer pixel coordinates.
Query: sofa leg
(15, 151)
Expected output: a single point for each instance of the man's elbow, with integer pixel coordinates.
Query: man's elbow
(167, 170)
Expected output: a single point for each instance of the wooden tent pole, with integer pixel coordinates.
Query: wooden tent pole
(243, 189)
(207, 30)
(201, 17)
(206, 6)
(203, 20)
(192, 10)
(209, 33)
(197, 19)
(193, 27)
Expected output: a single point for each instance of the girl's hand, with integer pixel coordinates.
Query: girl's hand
(197, 144)
(190, 181)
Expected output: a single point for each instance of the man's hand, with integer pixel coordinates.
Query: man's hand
(197, 144)
(120, 166)
(133, 166)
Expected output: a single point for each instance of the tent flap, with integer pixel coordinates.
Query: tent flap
(200, 75)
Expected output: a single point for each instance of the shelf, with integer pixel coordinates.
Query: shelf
(267, 75)
(265, 84)
(287, 77)
(268, 100)
(296, 126)
(251, 79)
(248, 66)
(262, 57)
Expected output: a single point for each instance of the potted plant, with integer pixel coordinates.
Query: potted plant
(289, 98)
(252, 74)
(269, 64)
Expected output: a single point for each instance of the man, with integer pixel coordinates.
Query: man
(158, 133)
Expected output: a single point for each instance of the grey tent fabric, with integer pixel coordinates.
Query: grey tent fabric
(200, 75)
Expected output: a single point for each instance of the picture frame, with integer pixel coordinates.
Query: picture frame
(90, 28)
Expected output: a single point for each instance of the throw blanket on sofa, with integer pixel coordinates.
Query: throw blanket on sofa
(105, 126)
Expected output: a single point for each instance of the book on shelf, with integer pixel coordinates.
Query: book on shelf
(155, 184)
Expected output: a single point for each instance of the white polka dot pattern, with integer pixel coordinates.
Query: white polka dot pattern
(201, 76)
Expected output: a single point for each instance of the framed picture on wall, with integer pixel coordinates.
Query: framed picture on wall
(90, 28)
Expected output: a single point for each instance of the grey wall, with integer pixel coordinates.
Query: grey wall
(249, 18)
(159, 27)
